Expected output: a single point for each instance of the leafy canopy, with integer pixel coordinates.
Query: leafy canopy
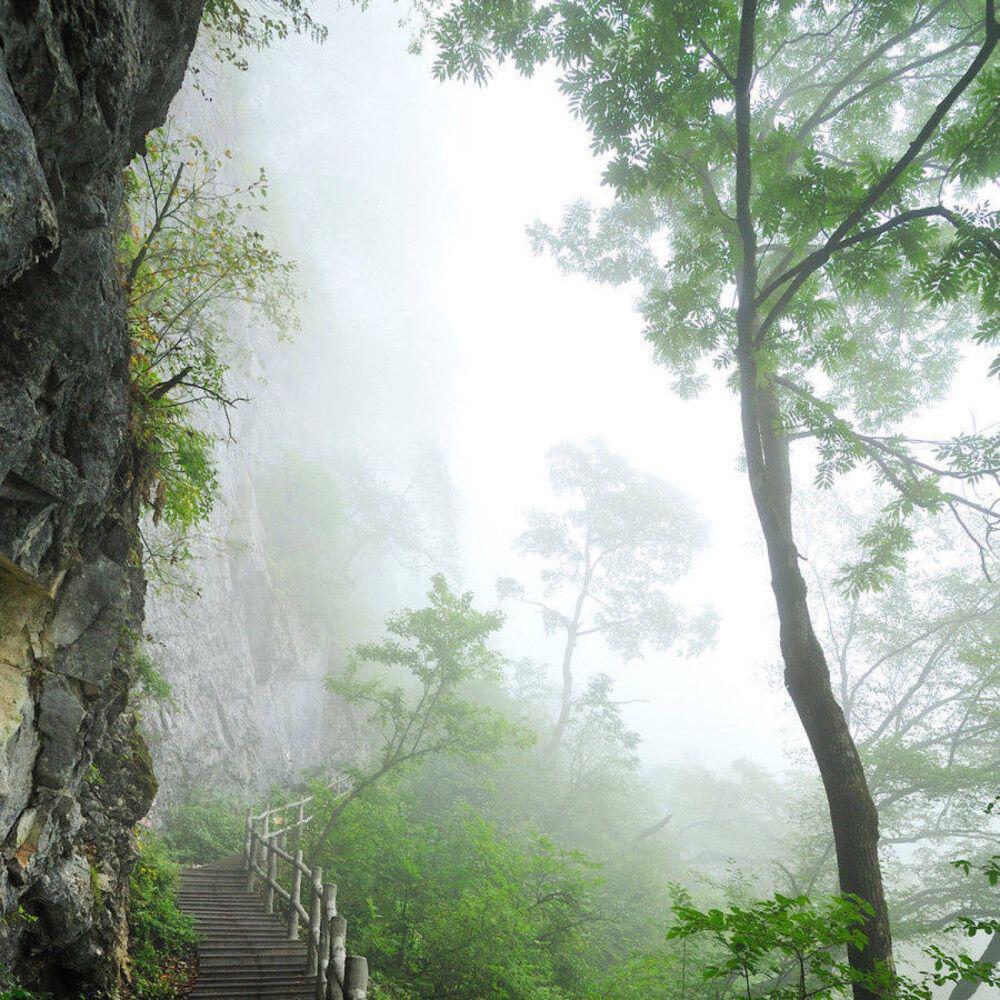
(868, 224)
(610, 553)
(444, 649)
(443, 656)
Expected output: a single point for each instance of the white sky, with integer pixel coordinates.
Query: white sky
(406, 201)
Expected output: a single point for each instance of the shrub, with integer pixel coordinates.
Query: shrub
(203, 829)
(10, 991)
(161, 938)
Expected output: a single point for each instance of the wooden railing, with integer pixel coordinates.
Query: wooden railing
(273, 848)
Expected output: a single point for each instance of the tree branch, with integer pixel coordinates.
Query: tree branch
(154, 230)
(162, 388)
(889, 178)
(819, 257)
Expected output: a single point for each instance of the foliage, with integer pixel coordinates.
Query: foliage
(600, 750)
(444, 649)
(190, 257)
(621, 540)
(823, 252)
(203, 829)
(448, 888)
(788, 948)
(10, 990)
(161, 938)
(915, 669)
(234, 27)
(761, 942)
(149, 684)
(450, 891)
(868, 256)
(447, 900)
(446, 906)
(608, 558)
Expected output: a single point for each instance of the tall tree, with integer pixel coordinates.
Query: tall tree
(816, 167)
(609, 557)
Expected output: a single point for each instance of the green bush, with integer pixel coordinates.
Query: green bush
(161, 938)
(203, 829)
(451, 908)
(18, 993)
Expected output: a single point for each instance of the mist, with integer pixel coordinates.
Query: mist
(561, 505)
(422, 328)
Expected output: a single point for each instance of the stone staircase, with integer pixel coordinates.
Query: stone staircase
(244, 953)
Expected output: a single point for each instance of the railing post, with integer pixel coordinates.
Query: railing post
(329, 912)
(280, 841)
(251, 850)
(338, 959)
(267, 842)
(247, 838)
(262, 842)
(312, 945)
(356, 978)
(272, 875)
(293, 916)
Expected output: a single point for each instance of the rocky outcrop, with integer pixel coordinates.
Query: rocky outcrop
(247, 710)
(81, 82)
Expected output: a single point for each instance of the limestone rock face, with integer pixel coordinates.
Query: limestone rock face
(81, 83)
(247, 710)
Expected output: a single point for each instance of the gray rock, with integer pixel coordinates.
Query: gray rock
(66, 903)
(80, 85)
(83, 597)
(28, 227)
(60, 717)
(16, 766)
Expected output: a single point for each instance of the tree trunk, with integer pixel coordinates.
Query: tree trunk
(572, 634)
(566, 696)
(807, 677)
(853, 815)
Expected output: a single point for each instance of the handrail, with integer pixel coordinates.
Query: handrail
(339, 786)
(339, 976)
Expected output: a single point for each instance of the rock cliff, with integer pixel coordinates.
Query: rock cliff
(81, 83)
(247, 710)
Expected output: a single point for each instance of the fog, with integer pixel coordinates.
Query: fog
(428, 318)
(438, 361)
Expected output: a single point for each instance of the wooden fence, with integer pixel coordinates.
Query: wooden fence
(272, 856)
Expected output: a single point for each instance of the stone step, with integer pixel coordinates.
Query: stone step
(243, 952)
(304, 988)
